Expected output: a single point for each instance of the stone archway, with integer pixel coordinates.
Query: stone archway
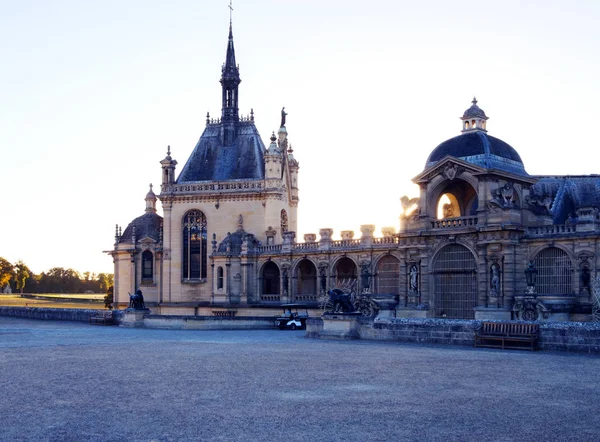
(270, 282)
(306, 278)
(455, 283)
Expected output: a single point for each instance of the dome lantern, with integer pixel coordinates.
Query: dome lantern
(474, 118)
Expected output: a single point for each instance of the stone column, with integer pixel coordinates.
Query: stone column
(325, 240)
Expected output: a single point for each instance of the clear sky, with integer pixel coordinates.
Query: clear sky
(91, 94)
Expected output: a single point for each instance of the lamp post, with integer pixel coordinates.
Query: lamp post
(531, 276)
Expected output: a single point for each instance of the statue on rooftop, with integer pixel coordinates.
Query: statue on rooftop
(283, 114)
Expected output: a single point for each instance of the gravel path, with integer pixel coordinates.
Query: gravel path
(74, 382)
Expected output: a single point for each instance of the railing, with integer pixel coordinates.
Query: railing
(453, 223)
(306, 298)
(223, 187)
(556, 229)
(385, 240)
(270, 298)
(342, 243)
(305, 246)
(270, 248)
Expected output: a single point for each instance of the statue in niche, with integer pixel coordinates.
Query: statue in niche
(285, 279)
(241, 222)
(284, 222)
(495, 279)
(584, 280)
(323, 278)
(413, 277)
(364, 278)
(448, 210)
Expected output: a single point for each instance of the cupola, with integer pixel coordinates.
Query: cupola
(150, 201)
(474, 118)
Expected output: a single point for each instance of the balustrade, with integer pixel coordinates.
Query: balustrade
(453, 223)
(556, 229)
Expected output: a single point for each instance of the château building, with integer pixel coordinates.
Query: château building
(226, 240)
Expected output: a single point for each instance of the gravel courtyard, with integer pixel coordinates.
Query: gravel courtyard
(73, 382)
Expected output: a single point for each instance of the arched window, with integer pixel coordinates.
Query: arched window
(219, 278)
(194, 246)
(554, 272)
(147, 265)
(345, 271)
(455, 283)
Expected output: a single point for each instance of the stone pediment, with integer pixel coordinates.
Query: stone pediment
(450, 168)
(146, 240)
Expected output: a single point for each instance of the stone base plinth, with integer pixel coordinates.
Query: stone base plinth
(492, 313)
(407, 312)
(134, 317)
(340, 326)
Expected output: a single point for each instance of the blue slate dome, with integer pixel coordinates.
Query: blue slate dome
(475, 146)
(149, 224)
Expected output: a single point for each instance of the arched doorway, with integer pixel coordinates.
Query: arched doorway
(345, 273)
(457, 199)
(388, 272)
(455, 283)
(306, 278)
(270, 281)
(554, 272)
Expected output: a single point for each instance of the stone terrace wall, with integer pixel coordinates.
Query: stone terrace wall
(52, 314)
(581, 337)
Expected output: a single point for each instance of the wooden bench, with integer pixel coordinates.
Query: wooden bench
(102, 318)
(507, 335)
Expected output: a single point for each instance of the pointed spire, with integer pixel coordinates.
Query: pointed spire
(230, 80)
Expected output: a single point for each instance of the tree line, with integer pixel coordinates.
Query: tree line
(56, 280)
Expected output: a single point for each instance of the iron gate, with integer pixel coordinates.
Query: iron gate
(554, 272)
(455, 283)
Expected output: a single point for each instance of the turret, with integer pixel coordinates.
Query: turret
(474, 118)
(150, 201)
(168, 170)
(273, 160)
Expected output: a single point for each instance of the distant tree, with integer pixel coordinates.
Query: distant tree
(6, 272)
(108, 298)
(104, 281)
(22, 274)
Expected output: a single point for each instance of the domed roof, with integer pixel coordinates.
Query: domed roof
(475, 111)
(481, 149)
(149, 224)
(234, 241)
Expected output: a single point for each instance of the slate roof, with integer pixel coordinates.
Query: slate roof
(234, 242)
(211, 160)
(479, 148)
(568, 194)
(474, 111)
(149, 224)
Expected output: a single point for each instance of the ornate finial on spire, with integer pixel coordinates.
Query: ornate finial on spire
(150, 187)
(207, 118)
(273, 137)
(251, 114)
(169, 150)
(290, 150)
(474, 100)
(230, 13)
(116, 233)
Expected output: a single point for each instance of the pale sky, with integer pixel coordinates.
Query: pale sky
(92, 92)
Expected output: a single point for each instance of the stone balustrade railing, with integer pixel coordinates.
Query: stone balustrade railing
(270, 248)
(385, 240)
(270, 298)
(556, 229)
(305, 246)
(454, 223)
(342, 243)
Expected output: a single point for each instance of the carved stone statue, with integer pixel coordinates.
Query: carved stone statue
(285, 279)
(283, 115)
(136, 301)
(414, 274)
(364, 278)
(323, 278)
(495, 279)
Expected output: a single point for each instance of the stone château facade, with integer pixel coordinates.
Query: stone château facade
(227, 237)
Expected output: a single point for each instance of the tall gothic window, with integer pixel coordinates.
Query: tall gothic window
(147, 265)
(194, 246)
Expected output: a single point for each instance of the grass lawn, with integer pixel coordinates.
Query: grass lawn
(17, 301)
